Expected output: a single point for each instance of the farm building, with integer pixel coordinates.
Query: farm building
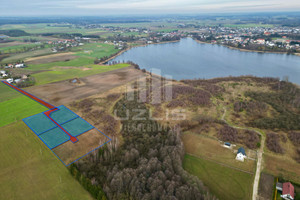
(288, 191)
(241, 154)
(227, 145)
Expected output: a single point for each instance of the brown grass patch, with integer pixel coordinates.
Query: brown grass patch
(282, 166)
(51, 58)
(68, 152)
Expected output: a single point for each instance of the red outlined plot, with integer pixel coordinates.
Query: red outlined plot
(65, 133)
(46, 104)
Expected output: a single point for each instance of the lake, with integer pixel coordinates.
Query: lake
(188, 59)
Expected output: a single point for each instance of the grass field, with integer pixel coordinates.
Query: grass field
(60, 74)
(208, 148)
(7, 93)
(20, 47)
(225, 183)
(282, 166)
(78, 62)
(29, 54)
(17, 109)
(95, 50)
(44, 28)
(29, 170)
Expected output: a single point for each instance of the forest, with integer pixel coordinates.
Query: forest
(147, 164)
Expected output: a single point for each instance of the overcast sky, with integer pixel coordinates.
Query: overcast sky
(115, 7)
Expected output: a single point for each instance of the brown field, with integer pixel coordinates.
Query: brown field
(265, 190)
(282, 166)
(51, 58)
(213, 150)
(64, 92)
(69, 152)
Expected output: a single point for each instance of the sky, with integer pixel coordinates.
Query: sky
(117, 7)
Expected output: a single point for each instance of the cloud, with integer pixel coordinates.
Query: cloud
(192, 5)
(82, 7)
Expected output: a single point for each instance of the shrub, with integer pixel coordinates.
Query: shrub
(273, 143)
(294, 137)
(228, 133)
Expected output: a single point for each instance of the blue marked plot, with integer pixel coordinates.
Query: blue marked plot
(63, 115)
(39, 123)
(77, 126)
(54, 137)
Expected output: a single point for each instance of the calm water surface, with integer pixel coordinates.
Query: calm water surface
(189, 59)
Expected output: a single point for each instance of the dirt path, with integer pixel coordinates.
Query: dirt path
(259, 155)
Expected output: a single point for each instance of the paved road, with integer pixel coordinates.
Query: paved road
(259, 156)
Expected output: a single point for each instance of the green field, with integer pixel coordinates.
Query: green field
(44, 28)
(225, 183)
(29, 170)
(16, 48)
(7, 93)
(63, 74)
(17, 109)
(29, 54)
(95, 50)
(77, 62)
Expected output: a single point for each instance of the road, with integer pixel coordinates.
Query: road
(259, 155)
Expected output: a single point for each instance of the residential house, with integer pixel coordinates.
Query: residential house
(241, 154)
(10, 80)
(288, 191)
(19, 65)
(17, 80)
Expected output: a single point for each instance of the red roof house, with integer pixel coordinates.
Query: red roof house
(288, 191)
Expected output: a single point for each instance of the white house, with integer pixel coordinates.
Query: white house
(2, 72)
(19, 65)
(10, 80)
(4, 75)
(241, 154)
(17, 80)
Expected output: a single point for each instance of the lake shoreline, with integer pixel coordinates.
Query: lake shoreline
(248, 50)
(130, 47)
(207, 61)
